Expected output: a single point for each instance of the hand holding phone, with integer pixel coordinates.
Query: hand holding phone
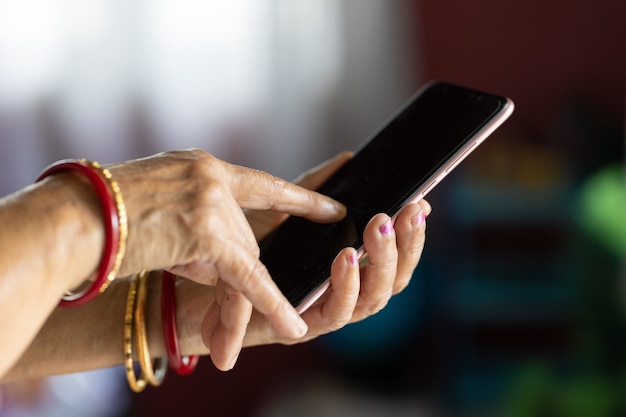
(399, 165)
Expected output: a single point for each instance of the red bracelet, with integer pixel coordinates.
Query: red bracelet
(115, 226)
(182, 365)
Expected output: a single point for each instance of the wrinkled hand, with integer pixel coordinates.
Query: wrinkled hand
(185, 214)
(355, 292)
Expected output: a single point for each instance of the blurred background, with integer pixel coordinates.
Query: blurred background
(517, 307)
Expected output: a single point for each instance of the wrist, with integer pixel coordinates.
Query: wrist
(73, 231)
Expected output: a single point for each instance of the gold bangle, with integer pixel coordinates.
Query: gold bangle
(137, 384)
(154, 374)
(122, 220)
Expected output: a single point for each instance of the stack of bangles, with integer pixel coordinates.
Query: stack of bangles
(116, 231)
(135, 329)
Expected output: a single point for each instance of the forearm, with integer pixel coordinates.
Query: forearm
(92, 336)
(88, 337)
(50, 241)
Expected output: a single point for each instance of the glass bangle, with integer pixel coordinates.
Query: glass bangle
(115, 225)
(182, 365)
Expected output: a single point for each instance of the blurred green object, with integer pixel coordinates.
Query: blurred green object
(603, 208)
(532, 393)
(538, 391)
(588, 395)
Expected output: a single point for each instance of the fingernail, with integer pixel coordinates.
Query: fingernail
(339, 208)
(386, 229)
(354, 260)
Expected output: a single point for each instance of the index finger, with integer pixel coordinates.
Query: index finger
(254, 189)
(245, 273)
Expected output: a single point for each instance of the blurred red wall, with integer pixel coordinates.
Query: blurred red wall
(538, 52)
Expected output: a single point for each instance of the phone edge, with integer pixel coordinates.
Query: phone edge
(435, 179)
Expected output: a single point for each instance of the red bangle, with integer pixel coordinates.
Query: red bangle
(115, 226)
(182, 365)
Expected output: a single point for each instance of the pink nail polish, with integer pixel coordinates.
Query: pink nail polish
(354, 260)
(419, 219)
(386, 229)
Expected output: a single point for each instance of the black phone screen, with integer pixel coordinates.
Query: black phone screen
(382, 176)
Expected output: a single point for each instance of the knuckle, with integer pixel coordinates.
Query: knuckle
(337, 323)
(376, 308)
(207, 189)
(190, 154)
(209, 192)
(379, 305)
(275, 188)
(277, 185)
(376, 304)
(251, 276)
(196, 152)
(203, 166)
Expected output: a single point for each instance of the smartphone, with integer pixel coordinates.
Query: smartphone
(401, 162)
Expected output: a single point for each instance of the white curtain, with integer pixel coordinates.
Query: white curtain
(80, 77)
(274, 84)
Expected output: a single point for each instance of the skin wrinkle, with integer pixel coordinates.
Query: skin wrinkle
(413, 246)
(378, 264)
(338, 321)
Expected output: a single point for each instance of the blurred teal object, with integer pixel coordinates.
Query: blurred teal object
(389, 330)
(603, 208)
